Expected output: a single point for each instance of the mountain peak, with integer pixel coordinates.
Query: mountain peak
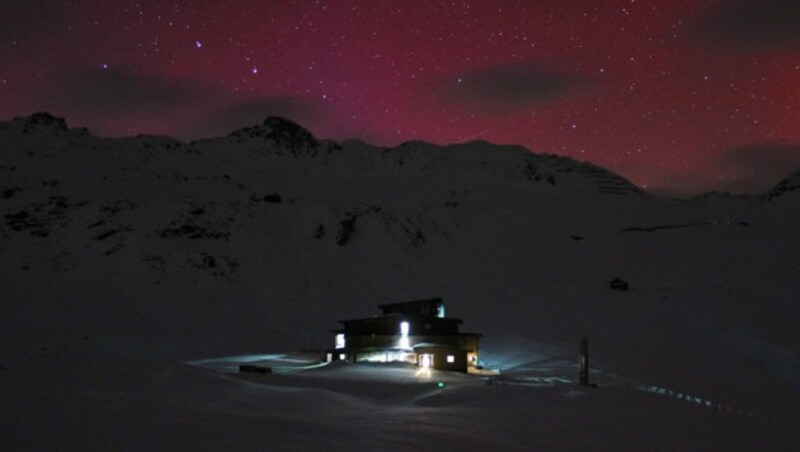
(788, 184)
(281, 122)
(281, 130)
(42, 122)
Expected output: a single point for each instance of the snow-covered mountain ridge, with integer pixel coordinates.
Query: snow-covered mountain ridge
(279, 137)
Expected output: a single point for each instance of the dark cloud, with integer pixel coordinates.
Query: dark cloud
(757, 168)
(752, 24)
(118, 96)
(21, 20)
(223, 121)
(748, 169)
(121, 92)
(509, 87)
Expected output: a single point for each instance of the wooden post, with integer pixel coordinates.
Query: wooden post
(583, 361)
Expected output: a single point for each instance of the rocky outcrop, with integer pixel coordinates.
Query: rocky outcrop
(284, 133)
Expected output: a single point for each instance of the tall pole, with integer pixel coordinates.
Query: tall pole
(583, 361)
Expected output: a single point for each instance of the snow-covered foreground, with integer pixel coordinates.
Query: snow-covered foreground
(128, 266)
(127, 405)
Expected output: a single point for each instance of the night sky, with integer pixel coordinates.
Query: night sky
(679, 96)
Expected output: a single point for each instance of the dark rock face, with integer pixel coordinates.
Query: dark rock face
(787, 185)
(346, 229)
(619, 284)
(188, 228)
(37, 218)
(41, 122)
(285, 133)
(320, 232)
(418, 239)
(9, 193)
(273, 198)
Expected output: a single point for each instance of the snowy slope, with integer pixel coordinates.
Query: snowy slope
(145, 248)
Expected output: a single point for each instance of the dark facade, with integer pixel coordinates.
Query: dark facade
(412, 331)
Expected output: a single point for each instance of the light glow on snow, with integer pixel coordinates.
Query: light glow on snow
(424, 373)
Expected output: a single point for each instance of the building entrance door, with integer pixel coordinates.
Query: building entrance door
(426, 360)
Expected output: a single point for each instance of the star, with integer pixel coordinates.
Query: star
(515, 70)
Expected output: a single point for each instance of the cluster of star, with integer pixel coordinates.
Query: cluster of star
(658, 91)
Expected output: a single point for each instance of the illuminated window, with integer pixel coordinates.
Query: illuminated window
(341, 356)
(451, 359)
(440, 311)
(340, 340)
(383, 357)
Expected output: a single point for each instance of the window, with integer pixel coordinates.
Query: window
(384, 357)
(340, 340)
(451, 358)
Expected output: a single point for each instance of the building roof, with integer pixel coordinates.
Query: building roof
(395, 315)
(411, 302)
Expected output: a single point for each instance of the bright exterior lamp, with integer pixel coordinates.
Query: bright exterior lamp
(404, 335)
